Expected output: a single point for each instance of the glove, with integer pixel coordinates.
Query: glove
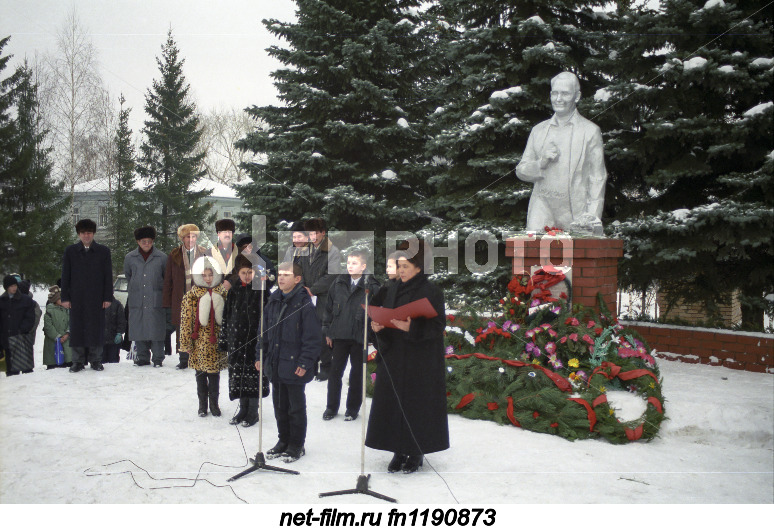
(168, 315)
(118, 339)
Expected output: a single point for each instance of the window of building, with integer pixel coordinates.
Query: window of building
(226, 214)
(76, 215)
(103, 216)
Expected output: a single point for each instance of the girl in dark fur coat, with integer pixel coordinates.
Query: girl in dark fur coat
(238, 336)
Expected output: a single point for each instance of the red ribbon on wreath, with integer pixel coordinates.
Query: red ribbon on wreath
(657, 404)
(465, 400)
(633, 434)
(509, 412)
(589, 411)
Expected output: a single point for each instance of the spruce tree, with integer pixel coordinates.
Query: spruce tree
(33, 204)
(347, 142)
(123, 210)
(500, 58)
(7, 138)
(168, 161)
(689, 121)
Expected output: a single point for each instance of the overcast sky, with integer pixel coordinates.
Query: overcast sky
(223, 43)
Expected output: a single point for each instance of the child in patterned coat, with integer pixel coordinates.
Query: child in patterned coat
(201, 317)
(241, 321)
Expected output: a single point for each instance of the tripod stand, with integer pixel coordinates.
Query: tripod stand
(362, 480)
(259, 461)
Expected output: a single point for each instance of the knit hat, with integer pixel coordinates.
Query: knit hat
(225, 224)
(8, 281)
(86, 225)
(315, 224)
(54, 294)
(186, 229)
(145, 232)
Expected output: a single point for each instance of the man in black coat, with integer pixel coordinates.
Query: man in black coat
(87, 289)
(320, 269)
(291, 346)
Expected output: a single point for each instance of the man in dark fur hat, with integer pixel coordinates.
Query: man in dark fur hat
(320, 269)
(226, 251)
(87, 289)
(300, 248)
(144, 268)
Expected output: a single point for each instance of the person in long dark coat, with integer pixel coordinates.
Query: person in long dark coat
(17, 318)
(321, 268)
(87, 289)
(238, 337)
(144, 269)
(408, 412)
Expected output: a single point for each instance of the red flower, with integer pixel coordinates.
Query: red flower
(562, 295)
(492, 406)
(535, 414)
(587, 338)
(502, 301)
(574, 337)
(590, 324)
(512, 311)
(598, 331)
(450, 318)
(554, 424)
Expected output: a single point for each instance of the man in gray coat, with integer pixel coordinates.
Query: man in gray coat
(144, 269)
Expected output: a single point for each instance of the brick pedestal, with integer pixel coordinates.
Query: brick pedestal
(594, 263)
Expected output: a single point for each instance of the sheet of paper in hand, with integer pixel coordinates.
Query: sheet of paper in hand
(415, 309)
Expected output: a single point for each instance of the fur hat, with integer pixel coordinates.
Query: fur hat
(242, 240)
(54, 294)
(86, 225)
(225, 224)
(9, 280)
(145, 232)
(200, 265)
(186, 229)
(315, 224)
(297, 227)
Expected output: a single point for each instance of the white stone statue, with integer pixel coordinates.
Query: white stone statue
(564, 159)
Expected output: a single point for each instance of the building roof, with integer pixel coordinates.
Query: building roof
(219, 190)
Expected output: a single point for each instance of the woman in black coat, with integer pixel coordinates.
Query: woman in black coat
(17, 318)
(408, 412)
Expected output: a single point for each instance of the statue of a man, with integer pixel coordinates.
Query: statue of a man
(564, 159)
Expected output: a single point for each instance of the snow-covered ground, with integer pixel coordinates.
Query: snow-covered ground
(90, 437)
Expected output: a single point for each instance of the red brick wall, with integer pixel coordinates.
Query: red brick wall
(737, 350)
(594, 264)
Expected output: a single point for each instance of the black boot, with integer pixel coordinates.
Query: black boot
(239, 416)
(396, 463)
(251, 418)
(202, 392)
(214, 388)
(412, 464)
(183, 361)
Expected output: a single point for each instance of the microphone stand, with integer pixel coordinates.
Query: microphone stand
(259, 462)
(362, 481)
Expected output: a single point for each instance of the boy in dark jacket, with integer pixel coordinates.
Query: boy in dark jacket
(291, 346)
(343, 322)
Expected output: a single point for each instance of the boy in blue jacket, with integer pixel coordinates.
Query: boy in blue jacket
(291, 347)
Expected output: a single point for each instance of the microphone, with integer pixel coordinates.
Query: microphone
(263, 272)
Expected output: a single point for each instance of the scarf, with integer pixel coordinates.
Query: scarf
(187, 266)
(195, 334)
